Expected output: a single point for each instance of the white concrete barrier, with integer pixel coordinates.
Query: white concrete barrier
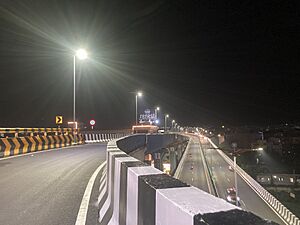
(99, 137)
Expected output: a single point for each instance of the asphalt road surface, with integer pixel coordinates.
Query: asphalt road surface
(47, 188)
(192, 171)
(224, 178)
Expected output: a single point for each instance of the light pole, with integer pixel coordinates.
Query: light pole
(234, 145)
(156, 112)
(235, 180)
(138, 94)
(173, 122)
(80, 54)
(166, 116)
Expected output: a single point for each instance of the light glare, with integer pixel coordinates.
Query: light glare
(81, 54)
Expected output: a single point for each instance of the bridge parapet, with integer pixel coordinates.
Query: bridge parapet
(132, 192)
(19, 131)
(103, 135)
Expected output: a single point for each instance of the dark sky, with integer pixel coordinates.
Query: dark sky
(203, 62)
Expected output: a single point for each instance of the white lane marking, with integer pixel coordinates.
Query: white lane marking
(84, 206)
(40, 151)
(243, 204)
(205, 167)
(228, 180)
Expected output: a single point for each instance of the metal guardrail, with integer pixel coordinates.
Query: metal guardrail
(284, 214)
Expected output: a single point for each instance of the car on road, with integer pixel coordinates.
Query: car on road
(231, 196)
(230, 168)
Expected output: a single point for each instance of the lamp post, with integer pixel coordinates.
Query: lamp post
(173, 122)
(138, 94)
(80, 54)
(166, 116)
(234, 145)
(156, 112)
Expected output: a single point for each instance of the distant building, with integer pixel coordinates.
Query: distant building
(285, 142)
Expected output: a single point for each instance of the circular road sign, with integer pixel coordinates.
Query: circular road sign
(92, 122)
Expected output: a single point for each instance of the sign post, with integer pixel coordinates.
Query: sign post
(92, 123)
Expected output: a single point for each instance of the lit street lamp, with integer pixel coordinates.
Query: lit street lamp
(234, 145)
(166, 116)
(156, 112)
(235, 180)
(173, 122)
(80, 54)
(138, 94)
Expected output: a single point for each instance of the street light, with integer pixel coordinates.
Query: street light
(234, 145)
(173, 121)
(138, 94)
(156, 112)
(80, 54)
(235, 179)
(166, 116)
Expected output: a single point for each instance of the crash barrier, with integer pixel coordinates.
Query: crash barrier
(22, 145)
(16, 132)
(284, 214)
(96, 137)
(132, 193)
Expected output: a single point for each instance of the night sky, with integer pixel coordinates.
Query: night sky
(203, 62)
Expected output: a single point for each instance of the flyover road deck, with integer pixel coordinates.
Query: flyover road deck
(47, 188)
(224, 178)
(192, 171)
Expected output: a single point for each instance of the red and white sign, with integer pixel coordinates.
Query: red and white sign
(92, 122)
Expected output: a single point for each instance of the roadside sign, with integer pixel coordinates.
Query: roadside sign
(58, 119)
(92, 122)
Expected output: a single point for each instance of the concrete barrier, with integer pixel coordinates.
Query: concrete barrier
(98, 137)
(22, 145)
(133, 193)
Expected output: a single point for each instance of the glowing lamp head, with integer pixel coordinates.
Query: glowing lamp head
(139, 94)
(157, 108)
(167, 115)
(81, 54)
(173, 121)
